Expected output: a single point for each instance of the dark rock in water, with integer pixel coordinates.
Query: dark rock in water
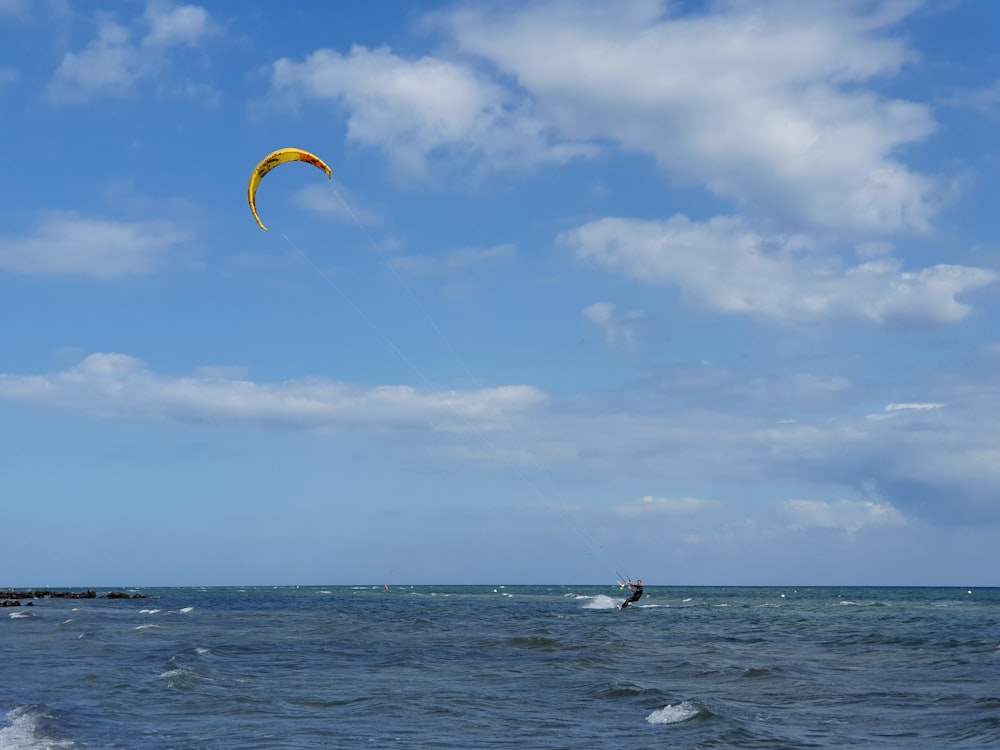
(123, 595)
(11, 598)
(88, 594)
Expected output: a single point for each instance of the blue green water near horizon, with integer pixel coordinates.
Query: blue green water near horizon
(504, 666)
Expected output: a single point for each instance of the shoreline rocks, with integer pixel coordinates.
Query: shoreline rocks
(13, 598)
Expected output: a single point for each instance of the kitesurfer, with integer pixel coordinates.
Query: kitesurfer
(636, 589)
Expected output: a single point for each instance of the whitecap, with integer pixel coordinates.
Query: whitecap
(19, 615)
(178, 678)
(24, 731)
(147, 627)
(148, 611)
(674, 714)
(185, 610)
(601, 602)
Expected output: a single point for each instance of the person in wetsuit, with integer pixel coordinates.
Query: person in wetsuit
(636, 590)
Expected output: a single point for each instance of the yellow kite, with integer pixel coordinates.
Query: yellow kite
(281, 156)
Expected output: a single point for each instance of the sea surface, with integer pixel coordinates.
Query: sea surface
(504, 667)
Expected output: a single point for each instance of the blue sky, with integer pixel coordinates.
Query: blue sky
(698, 292)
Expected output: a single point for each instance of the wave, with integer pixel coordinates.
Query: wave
(758, 672)
(629, 690)
(600, 602)
(675, 714)
(27, 730)
(183, 678)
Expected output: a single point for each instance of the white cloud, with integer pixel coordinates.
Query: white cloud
(649, 505)
(117, 386)
(67, 243)
(121, 56)
(108, 64)
(895, 410)
(917, 407)
(938, 462)
(764, 103)
(933, 463)
(619, 330)
(725, 265)
(771, 105)
(174, 26)
(850, 516)
(421, 109)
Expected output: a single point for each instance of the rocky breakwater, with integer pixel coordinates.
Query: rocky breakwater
(13, 598)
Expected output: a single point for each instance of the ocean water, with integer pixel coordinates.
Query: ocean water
(504, 667)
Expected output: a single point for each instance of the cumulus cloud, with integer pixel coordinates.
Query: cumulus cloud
(762, 103)
(725, 265)
(773, 106)
(123, 55)
(71, 244)
(420, 109)
(175, 25)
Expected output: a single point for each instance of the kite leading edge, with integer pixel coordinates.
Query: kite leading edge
(269, 162)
